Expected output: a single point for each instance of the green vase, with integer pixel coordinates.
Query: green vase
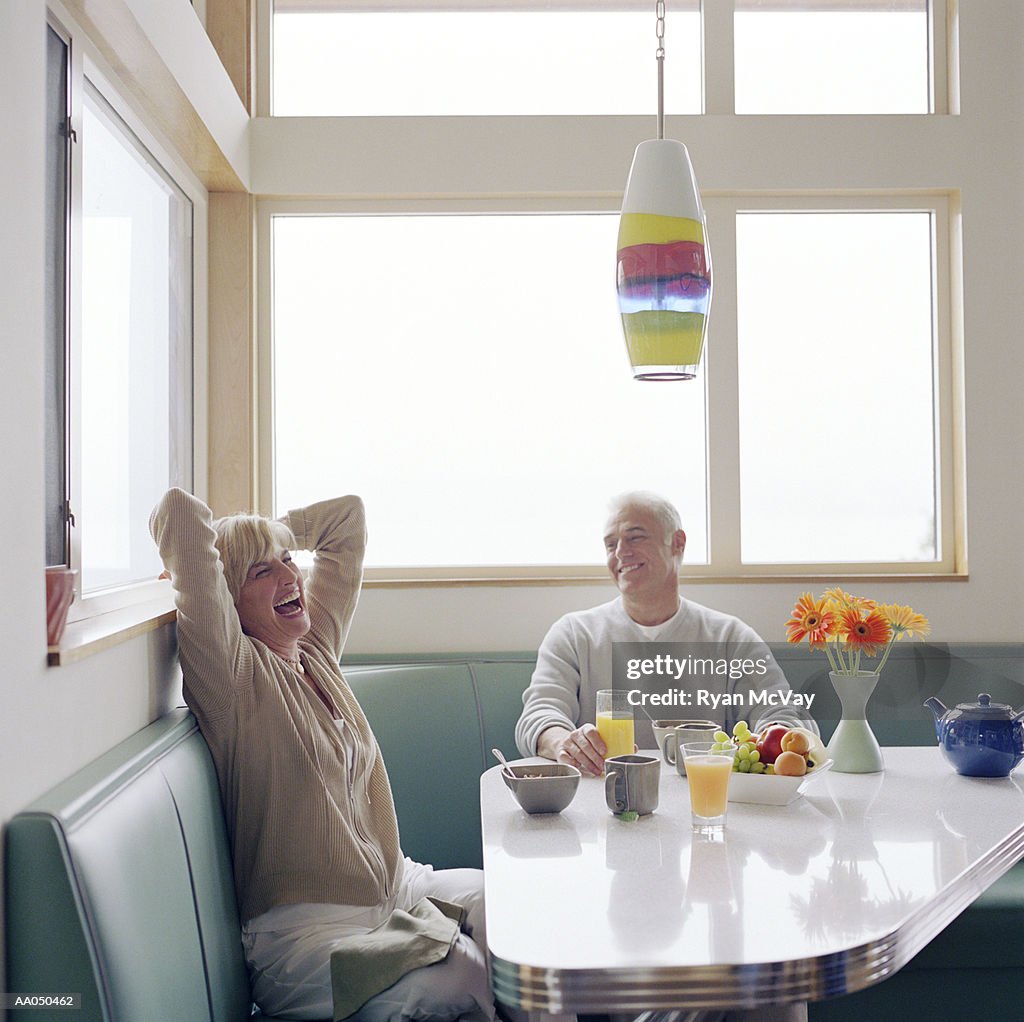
(854, 748)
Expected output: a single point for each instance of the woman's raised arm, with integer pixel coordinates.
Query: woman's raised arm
(211, 645)
(335, 530)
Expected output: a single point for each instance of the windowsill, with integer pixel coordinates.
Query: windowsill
(380, 578)
(95, 634)
(91, 635)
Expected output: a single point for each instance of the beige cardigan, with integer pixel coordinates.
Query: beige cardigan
(309, 813)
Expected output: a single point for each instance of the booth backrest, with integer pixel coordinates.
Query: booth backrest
(439, 718)
(118, 888)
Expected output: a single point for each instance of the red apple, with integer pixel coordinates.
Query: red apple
(769, 742)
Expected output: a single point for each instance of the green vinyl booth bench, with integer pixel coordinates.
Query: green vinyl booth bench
(118, 881)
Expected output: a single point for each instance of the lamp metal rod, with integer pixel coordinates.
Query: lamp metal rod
(659, 10)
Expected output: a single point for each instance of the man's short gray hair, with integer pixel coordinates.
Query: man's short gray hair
(244, 540)
(645, 500)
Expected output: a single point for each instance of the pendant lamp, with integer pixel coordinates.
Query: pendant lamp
(664, 263)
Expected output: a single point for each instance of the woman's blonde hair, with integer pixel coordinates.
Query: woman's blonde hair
(245, 539)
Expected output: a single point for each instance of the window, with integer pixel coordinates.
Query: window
(800, 57)
(332, 62)
(522, 403)
(136, 382)
(119, 375)
(470, 375)
(488, 421)
(838, 387)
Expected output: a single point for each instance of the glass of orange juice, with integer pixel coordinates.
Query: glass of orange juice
(615, 722)
(708, 769)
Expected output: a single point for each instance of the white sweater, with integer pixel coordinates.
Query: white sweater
(575, 660)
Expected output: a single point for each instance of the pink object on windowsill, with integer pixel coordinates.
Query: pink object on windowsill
(60, 591)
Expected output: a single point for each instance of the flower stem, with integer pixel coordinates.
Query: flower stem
(832, 659)
(842, 667)
(885, 655)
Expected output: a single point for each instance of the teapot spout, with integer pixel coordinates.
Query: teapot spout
(938, 707)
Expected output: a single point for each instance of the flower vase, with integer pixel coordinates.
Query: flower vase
(854, 748)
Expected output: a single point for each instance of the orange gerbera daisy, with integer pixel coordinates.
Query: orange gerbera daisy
(811, 620)
(904, 622)
(864, 633)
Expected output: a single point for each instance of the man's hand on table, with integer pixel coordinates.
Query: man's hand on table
(583, 748)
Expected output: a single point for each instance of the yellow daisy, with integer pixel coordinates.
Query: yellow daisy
(904, 622)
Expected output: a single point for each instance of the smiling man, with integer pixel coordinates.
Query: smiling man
(644, 543)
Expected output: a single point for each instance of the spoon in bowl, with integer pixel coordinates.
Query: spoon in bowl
(507, 770)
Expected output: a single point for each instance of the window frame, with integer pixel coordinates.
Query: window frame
(717, 28)
(86, 64)
(723, 406)
(57, 341)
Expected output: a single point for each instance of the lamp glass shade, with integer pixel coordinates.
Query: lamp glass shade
(663, 276)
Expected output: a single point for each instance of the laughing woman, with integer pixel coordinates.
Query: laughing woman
(314, 838)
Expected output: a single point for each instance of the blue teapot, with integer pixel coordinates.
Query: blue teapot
(982, 739)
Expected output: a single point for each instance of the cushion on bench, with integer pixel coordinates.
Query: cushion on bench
(436, 723)
(119, 887)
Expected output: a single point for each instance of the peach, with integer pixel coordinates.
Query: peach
(790, 764)
(796, 741)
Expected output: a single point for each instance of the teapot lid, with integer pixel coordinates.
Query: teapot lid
(985, 708)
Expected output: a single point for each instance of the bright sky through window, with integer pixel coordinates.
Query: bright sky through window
(467, 375)
(135, 293)
(832, 62)
(837, 377)
(481, 62)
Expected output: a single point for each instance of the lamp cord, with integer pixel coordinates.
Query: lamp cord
(659, 11)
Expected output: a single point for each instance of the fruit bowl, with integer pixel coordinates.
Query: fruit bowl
(771, 789)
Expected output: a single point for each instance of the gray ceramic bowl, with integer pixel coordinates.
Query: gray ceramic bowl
(543, 787)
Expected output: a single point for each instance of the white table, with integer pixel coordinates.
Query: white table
(827, 895)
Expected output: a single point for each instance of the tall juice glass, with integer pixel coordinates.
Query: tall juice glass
(615, 722)
(708, 769)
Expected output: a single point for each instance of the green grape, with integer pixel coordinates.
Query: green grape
(757, 768)
(770, 769)
(754, 756)
(721, 746)
(743, 753)
(744, 766)
(721, 736)
(741, 727)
